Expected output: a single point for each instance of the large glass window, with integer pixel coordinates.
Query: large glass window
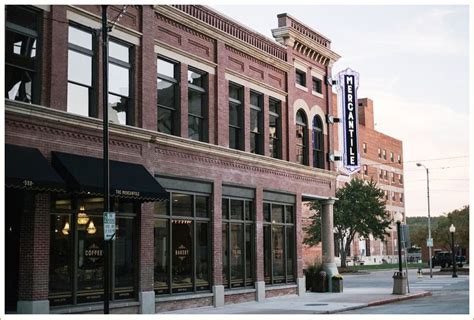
(76, 251)
(237, 244)
(301, 138)
(279, 243)
(120, 72)
(318, 143)
(80, 69)
(182, 244)
(197, 83)
(168, 95)
(275, 128)
(236, 117)
(21, 52)
(256, 122)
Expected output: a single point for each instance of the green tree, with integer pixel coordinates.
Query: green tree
(460, 219)
(359, 210)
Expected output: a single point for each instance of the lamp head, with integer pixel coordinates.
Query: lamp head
(398, 217)
(452, 228)
(418, 164)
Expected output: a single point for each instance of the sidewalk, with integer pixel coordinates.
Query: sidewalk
(311, 303)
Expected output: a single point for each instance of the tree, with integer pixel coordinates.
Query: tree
(460, 219)
(359, 210)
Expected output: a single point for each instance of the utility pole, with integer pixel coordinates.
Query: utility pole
(105, 92)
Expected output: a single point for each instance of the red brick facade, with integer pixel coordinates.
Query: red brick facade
(195, 36)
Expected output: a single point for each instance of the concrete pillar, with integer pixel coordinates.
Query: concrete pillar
(260, 287)
(301, 282)
(219, 298)
(327, 240)
(147, 302)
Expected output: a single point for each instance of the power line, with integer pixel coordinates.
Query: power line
(424, 180)
(414, 161)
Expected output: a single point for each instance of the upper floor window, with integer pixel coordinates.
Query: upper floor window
(364, 147)
(384, 154)
(274, 128)
(393, 177)
(366, 170)
(120, 76)
(393, 196)
(21, 52)
(168, 95)
(379, 152)
(197, 83)
(256, 122)
(391, 156)
(236, 117)
(300, 77)
(399, 159)
(317, 85)
(400, 178)
(318, 143)
(301, 138)
(80, 71)
(401, 197)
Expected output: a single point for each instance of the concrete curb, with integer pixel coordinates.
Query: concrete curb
(402, 298)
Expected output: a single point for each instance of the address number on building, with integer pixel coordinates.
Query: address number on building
(109, 226)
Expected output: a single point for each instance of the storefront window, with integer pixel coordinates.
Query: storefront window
(279, 243)
(77, 251)
(237, 244)
(182, 245)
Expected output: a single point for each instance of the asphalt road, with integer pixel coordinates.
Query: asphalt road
(449, 295)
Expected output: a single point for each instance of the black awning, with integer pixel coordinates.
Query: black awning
(127, 180)
(26, 168)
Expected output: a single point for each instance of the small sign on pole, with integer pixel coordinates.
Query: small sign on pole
(429, 242)
(109, 226)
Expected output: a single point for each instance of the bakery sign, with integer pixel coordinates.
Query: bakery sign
(347, 90)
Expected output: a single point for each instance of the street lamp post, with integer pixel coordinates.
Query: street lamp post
(430, 244)
(399, 278)
(452, 229)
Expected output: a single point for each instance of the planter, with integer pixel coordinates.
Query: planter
(318, 283)
(337, 285)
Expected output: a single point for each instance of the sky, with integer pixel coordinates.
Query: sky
(413, 62)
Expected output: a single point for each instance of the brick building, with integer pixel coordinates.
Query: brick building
(381, 159)
(217, 137)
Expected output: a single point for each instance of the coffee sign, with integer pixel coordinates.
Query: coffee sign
(348, 85)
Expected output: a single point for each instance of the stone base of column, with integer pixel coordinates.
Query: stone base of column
(147, 302)
(301, 283)
(260, 290)
(331, 269)
(218, 295)
(33, 307)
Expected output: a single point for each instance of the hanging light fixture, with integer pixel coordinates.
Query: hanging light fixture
(91, 228)
(82, 217)
(66, 229)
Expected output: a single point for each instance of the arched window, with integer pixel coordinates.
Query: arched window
(301, 138)
(318, 143)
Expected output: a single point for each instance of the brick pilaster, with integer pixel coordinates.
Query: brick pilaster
(183, 99)
(34, 248)
(216, 233)
(58, 58)
(299, 235)
(146, 247)
(259, 248)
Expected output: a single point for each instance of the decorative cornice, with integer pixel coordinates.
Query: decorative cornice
(251, 58)
(200, 26)
(240, 158)
(184, 28)
(307, 46)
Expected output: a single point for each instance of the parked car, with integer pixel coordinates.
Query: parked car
(444, 259)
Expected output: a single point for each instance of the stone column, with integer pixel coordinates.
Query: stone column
(216, 238)
(327, 240)
(259, 261)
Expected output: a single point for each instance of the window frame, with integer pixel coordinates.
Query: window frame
(277, 138)
(318, 135)
(203, 91)
(228, 221)
(304, 146)
(130, 113)
(240, 113)
(36, 85)
(257, 136)
(176, 81)
(169, 218)
(319, 85)
(286, 225)
(300, 74)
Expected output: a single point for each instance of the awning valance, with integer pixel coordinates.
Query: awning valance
(127, 180)
(27, 168)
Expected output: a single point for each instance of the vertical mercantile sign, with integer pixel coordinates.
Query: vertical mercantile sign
(348, 85)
